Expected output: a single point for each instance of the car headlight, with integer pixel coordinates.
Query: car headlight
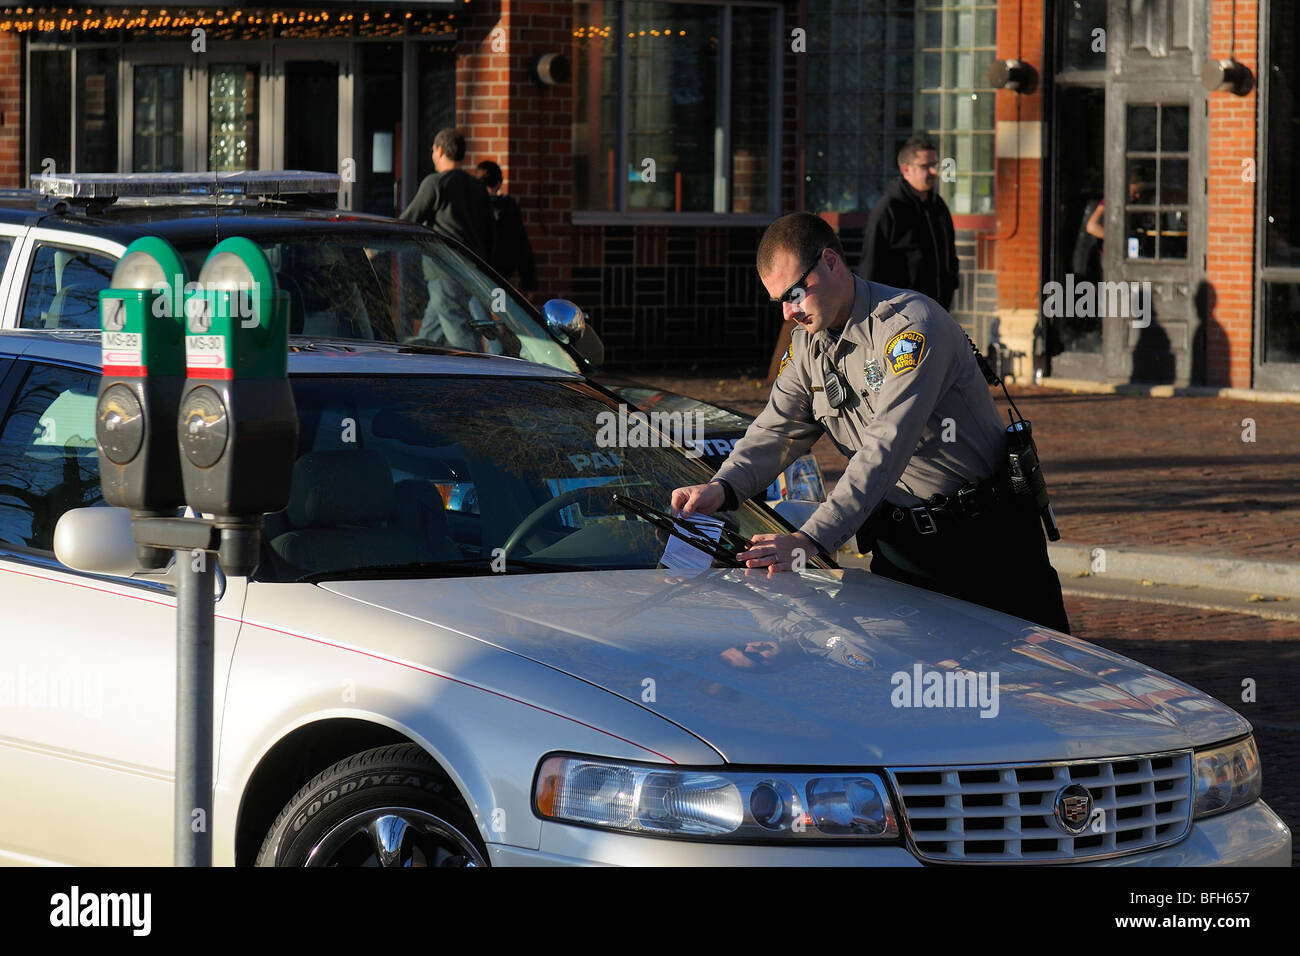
(1227, 777)
(802, 481)
(714, 804)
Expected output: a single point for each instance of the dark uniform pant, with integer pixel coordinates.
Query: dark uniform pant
(997, 560)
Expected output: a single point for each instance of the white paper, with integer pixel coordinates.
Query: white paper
(679, 555)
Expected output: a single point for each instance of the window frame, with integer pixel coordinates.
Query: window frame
(623, 214)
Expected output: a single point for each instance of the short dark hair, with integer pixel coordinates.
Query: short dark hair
(492, 177)
(915, 145)
(800, 233)
(452, 143)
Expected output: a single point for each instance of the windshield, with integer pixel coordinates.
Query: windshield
(500, 475)
(398, 287)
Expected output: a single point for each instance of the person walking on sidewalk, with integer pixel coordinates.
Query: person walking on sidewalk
(891, 378)
(511, 247)
(909, 242)
(452, 202)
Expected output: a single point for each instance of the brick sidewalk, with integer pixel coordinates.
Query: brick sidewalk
(1135, 472)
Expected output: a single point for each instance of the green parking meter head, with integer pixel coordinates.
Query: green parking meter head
(140, 312)
(237, 323)
(143, 360)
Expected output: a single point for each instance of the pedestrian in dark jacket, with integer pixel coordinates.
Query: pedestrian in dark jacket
(511, 248)
(452, 202)
(910, 242)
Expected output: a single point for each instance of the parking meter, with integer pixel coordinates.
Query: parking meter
(237, 425)
(141, 384)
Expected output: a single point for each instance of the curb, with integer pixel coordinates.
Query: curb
(1220, 573)
(1169, 391)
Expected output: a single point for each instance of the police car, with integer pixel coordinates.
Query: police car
(405, 681)
(348, 275)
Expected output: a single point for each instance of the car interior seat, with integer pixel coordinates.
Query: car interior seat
(341, 509)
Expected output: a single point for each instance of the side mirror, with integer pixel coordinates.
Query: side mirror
(97, 540)
(568, 324)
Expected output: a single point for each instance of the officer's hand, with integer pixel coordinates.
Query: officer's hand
(698, 499)
(776, 552)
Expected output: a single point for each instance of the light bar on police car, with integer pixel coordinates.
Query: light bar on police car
(157, 185)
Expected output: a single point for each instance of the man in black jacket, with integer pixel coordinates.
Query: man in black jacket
(511, 249)
(452, 202)
(909, 241)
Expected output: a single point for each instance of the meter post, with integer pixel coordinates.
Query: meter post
(237, 428)
(143, 375)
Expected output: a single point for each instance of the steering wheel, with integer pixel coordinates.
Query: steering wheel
(535, 517)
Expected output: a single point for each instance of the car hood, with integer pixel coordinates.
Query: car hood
(828, 667)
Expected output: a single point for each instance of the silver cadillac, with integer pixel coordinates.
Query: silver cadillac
(468, 642)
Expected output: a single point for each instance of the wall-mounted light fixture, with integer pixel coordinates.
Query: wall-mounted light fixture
(1227, 75)
(1014, 75)
(551, 69)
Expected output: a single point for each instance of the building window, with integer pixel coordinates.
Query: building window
(232, 117)
(49, 132)
(957, 42)
(860, 100)
(674, 107)
(1156, 214)
(96, 111)
(159, 128)
(1082, 34)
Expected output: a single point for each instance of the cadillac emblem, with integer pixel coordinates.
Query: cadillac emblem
(1073, 808)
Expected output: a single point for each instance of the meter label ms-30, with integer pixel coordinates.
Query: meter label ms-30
(206, 356)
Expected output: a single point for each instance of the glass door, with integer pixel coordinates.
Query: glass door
(313, 113)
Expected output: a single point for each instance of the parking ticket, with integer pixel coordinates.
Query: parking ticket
(683, 556)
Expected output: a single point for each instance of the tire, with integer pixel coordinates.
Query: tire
(390, 806)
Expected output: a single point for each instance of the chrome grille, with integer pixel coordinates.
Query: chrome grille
(1005, 814)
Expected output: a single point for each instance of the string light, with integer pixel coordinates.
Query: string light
(292, 23)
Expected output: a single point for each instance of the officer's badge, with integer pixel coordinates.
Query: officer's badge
(785, 359)
(874, 376)
(904, 351)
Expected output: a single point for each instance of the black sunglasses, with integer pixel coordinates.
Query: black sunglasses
(797, 291)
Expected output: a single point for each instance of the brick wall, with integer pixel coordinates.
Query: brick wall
(11, 106)
(509, 117)
(1230, 263)
(1018, 187)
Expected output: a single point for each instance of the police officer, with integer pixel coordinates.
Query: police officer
(891, 378)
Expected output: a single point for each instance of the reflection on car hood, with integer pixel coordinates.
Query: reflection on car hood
(830, 664)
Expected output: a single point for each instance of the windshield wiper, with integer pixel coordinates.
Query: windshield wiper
(426, 569)
(729, 543)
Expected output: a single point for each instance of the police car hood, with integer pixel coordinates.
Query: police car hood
(829, 667)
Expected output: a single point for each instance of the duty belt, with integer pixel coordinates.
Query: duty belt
(971, 501)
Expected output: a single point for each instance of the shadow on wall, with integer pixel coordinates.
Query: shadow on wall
(1207, 330)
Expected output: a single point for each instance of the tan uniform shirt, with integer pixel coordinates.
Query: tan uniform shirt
(918, 419)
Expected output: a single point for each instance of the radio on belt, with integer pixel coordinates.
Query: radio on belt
(140, 388)
(238, 425)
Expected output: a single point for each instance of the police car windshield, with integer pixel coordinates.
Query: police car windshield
(427, 471)
(394, 286)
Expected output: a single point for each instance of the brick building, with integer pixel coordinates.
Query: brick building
(647, 175)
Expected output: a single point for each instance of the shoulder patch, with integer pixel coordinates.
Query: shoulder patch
(785, 359)
(904, 351)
